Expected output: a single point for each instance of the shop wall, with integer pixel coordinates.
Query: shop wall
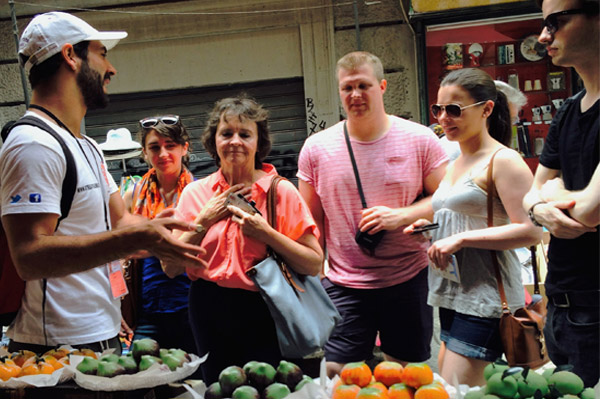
(385, 33)
(208, 47)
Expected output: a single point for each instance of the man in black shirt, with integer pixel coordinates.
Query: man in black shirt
(565, 196)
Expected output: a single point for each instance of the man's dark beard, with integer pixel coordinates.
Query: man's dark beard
(90, 84)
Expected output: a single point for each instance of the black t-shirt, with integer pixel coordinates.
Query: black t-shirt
(572, 147)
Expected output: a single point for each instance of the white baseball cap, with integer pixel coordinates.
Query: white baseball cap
(47, 33)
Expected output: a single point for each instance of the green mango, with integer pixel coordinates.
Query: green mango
(496, 367)
(305, 380)
(502, 385)
(289, 374)
(587, 393)
(128, 362)
(214, 391)
(147, 361)
(261, 375)
(180, 353)
(172, 361)
(529, 382)
(245, 392)
(248, 365)
(276, 390)
(145, 346)
(566, 382)
(230, 378)
(109, 358)
(110, 369)
(88, 365)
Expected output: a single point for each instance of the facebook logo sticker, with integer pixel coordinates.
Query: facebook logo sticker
(35, 198)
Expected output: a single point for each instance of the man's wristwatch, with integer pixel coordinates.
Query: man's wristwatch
(532, 216)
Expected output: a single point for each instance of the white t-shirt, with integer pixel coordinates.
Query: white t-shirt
(79, 308)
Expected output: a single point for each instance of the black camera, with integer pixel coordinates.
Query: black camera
(369, 241)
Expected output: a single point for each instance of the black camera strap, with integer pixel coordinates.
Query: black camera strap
(360, 190)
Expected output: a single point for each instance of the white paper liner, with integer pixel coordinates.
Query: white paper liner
(157, 374)
(40, 380)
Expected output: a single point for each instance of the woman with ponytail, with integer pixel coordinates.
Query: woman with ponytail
(474, 114)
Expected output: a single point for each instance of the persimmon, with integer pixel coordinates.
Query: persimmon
(417, 374)
(378, 385)
(432, 391)
(388, 373)
(401, 391)
(345, 392)
(57, 353)
(357, 373)
(39, 367)
(85, 352)
(53, 361)
(8, 369)
(371, 393)
(21, 356)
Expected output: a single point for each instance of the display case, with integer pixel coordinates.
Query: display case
(506, 47)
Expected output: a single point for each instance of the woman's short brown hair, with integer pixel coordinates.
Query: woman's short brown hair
(244, 108)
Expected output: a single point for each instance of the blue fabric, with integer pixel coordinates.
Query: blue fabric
(161, 294)
(388, 310)
(471, 336)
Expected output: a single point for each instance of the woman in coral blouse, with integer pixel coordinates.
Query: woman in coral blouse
(230, 321)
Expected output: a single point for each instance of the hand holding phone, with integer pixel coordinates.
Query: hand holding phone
(239, 201)
(427, 227)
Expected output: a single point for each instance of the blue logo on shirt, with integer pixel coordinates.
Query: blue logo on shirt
(35, 198)
(15, 199)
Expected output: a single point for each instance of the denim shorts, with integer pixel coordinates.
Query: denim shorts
(399, 313)
(471, 336)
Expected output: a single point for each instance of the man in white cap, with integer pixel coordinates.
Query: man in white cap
(73, 289)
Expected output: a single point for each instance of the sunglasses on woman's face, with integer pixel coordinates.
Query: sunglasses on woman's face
(152, 121)
(452, 110)
(551, 21)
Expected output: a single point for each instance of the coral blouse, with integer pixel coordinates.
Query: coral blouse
(229, 252)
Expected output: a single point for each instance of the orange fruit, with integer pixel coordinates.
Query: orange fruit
(401, 391)
(378, 385)
(432, 391)
(371, 393)
(417, 374)
(85, 352)
(345, 392)
(21, 356)
(57, 353)
(388, 373)
(53, 361)
(357, 373)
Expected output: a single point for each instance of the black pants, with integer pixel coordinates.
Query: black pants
(233, 325)
(99, 346)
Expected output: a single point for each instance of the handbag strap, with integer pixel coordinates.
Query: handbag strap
(534, 267)
(272, 219)
(491, 189)
(356, 175)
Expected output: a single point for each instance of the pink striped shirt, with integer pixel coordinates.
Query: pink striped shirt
(392, 171)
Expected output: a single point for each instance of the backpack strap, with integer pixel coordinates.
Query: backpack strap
(70, 181)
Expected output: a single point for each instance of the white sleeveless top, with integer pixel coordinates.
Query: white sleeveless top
(463, 207)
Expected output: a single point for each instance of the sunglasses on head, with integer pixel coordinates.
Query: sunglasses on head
(152, 121)
(551, 21)
(452, 110)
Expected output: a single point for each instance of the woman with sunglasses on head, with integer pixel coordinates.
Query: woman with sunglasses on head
(475, 114)
(229, 318)
(162, 311)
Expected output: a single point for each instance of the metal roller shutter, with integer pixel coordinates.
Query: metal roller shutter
(283, 98)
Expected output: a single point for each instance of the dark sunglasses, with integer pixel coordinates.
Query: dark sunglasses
(152, 121)
(452, 110)
(551, 21)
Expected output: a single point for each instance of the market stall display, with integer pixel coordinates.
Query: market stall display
(146, 366)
